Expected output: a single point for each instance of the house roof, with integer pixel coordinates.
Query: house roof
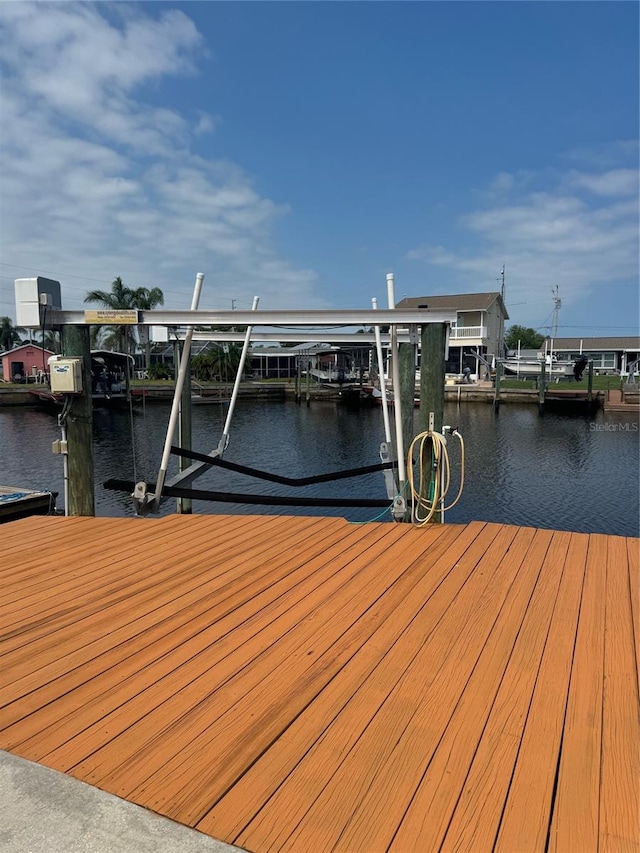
(455, 301)
(25, 346)
(630, 343)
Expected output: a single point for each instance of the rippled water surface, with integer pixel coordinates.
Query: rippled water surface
(567, 473)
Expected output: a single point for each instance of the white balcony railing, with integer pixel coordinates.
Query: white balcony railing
(465, 332)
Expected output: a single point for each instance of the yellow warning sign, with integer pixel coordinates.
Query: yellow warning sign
(108, 317)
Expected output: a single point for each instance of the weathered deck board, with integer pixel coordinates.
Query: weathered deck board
(529, 805)
(475, 821)
(425, 823)
(620, 768)
(576, 813)
(393, 644)
(306, 684)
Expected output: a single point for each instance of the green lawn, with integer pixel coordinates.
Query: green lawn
(600, 383)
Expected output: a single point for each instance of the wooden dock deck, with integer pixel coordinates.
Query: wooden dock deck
(18, 503)
(305, 684)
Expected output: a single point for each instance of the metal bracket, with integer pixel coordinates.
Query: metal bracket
(386, 455)
(399, 508)
(142, 500)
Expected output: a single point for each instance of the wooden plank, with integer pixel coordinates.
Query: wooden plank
(98, 611)
(81, 554)
(24, 533)
(395, 641)
(273, 701)
(315, 803)
(85, 675)
(620, 788)
(576, 807)
(526, 818)
(172, 705)
(242, 718)
(476, 818)
(153, 633)
(633, 556)
(65, 574)
(424, 824)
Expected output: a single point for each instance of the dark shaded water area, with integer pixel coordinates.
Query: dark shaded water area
(560, 472)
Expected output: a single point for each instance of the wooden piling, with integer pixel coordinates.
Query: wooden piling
(407, 371)
(79, 426)
(542, 387)
(432, 374)
(496, 391)
(298, 380)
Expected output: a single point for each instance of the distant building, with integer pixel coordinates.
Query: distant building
(24, 362)
(478, 330)
(324, 361)
(609, 355)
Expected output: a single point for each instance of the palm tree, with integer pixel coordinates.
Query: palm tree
(146, 300)
(9, 334)
(220, 363)
(120, 298)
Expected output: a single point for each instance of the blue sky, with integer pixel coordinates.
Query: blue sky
(300, 151)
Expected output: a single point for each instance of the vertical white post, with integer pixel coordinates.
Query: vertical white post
(395, 371)
(175, 405)
(224, 440)
(383, 384)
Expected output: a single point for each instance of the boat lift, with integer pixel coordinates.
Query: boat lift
(269, 325)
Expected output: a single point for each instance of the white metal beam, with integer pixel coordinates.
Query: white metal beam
(301, 337)
(270, 318)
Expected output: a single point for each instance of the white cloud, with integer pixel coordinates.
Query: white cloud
(96, 181)
(615, 182)
(579, 233)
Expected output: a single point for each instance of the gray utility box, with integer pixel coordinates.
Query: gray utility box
(65, 375)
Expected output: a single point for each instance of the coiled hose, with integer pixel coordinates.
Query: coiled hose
(434, 475)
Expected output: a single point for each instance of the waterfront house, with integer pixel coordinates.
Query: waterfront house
(478, 330)
(324, 361)
(25, 363)
(610, 355)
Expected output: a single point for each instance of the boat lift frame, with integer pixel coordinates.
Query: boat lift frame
(261, 325)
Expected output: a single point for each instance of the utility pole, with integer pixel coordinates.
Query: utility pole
(503, 294)
(557, 305)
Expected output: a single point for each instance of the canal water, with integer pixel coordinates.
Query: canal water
(560, 472)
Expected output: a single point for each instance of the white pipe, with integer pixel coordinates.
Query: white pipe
(65, 469)
(395, 372)
(391, 296)
(224, 441)
(383, 384)
(177, 394)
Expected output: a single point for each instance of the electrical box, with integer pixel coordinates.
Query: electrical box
(34, 298)
(159, 334)
(65, 375)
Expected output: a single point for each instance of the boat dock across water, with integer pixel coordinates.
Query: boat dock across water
(17, 503)
(300, 683)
